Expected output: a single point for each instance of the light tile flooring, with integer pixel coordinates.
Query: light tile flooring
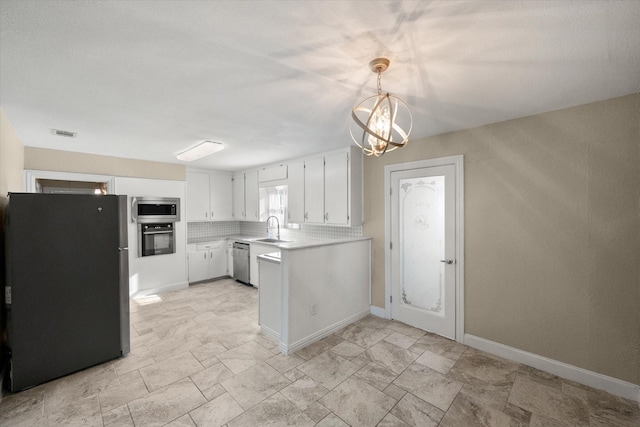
(198, 359)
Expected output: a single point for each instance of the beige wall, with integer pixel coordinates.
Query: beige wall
(552, 232)
(11, 158)
(68, 161)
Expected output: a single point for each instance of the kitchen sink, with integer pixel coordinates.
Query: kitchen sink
(270, 240)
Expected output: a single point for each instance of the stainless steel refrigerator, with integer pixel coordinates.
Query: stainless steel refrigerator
(67, 287)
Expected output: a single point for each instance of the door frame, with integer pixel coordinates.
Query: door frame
(458, 163)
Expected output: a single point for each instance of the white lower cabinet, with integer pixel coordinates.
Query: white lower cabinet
(270, 298)
(230, 258)
(207, 261)
(256, 249)
(198, 265)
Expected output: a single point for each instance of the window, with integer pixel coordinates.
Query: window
(273, 202)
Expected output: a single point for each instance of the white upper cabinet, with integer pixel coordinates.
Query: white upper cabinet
(209, 196)
(272, 173)
(295, 181)
(322, 189)
(245, 196)
(336, 194)
(221, 196)
(197, 196)
(238, 196)
(251, 196)
(314, 190)
(333, 188)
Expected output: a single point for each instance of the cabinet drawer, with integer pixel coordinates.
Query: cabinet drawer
(210, 245)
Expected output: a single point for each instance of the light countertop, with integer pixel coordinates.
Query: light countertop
(273, 257)
(286, 244)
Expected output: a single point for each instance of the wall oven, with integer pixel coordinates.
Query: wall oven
(156, 239)
(150, 210)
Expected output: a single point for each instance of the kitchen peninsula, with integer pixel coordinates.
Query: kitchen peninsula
(313, 289)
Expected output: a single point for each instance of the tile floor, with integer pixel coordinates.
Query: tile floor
(198, 359)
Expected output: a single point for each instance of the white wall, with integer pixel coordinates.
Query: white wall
(335, 279)
(160, 273)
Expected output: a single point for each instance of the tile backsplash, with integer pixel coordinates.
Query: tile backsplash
(203, 231)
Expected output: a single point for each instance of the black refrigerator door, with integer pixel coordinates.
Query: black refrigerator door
(125, 332)
(65, 278)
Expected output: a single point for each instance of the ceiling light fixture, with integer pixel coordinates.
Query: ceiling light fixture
(382, 119)
(65, 133)
(199, 151)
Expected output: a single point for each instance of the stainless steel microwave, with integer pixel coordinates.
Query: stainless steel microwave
(149, 210)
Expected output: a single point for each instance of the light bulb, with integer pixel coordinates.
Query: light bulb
(380, 124)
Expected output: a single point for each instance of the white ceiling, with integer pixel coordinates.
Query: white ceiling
(274, 80)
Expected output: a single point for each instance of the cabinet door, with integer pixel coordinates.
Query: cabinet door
(251, 196)
(221, 196)
(218, 260)
(336, 184)
(230, 259)
(238, 196)
(256, 249)
(295, 201)
(198, 266)
(314, 190)
(197, 196)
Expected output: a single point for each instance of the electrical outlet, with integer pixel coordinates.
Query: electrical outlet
(314, 309)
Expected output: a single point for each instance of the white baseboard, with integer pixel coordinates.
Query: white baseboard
(377, 311)
(300, 344)
(270, 332)
(159, 289)
(583, 376)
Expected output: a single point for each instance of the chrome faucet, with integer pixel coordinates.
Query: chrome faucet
(277, 222)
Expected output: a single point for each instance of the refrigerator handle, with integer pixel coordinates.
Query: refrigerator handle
(123, 249)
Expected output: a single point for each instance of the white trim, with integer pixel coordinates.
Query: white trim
(159, 290)
(378, 311)
(300, 344)
(561, 369)
(458, 163)
(30, 177)
(270, 332)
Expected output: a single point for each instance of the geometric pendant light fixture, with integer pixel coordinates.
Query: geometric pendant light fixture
(381, 123)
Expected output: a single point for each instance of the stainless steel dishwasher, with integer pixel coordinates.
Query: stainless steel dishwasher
(241, 262)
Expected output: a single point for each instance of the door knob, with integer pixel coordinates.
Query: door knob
(448, 261)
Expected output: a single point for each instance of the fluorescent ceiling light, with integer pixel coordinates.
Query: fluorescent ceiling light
(201, 150)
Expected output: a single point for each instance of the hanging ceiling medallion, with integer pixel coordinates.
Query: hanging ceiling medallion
(384, 120)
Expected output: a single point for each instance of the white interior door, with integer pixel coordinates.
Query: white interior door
(423, 248)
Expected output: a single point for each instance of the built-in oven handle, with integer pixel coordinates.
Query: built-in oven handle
(158, 232)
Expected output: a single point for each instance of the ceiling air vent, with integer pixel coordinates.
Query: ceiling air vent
(65, 133)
